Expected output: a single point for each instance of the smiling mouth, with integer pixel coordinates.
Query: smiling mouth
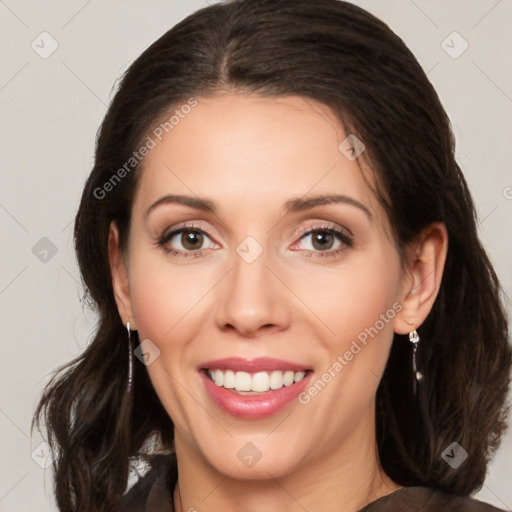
(245, 383)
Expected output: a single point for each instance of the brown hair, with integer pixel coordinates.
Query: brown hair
(339, 54)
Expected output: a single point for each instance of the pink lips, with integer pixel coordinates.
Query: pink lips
(253, 406)
(261, 364)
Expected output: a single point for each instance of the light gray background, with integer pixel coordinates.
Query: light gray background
(51, 109)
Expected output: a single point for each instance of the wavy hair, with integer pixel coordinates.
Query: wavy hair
(340, 55)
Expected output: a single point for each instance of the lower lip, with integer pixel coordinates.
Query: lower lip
(253, 406)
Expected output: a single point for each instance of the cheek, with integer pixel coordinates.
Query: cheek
(358, 297)
(163, 297)
(166, 303)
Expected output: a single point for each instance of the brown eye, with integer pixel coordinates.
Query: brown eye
(322, 240)
(186, 241)
(191, 240)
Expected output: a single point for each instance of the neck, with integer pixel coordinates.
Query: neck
(343, 478)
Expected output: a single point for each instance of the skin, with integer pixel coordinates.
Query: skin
(249, 155)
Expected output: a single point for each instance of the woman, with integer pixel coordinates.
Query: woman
(295, 311)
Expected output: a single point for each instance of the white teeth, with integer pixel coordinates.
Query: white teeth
(242, 381)
(288, 378)
(260, 382)
(276, 380)
(229, 379)
(218, 378)
(299, 376)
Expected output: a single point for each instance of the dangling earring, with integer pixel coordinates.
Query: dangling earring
(130, 358)
(414, 338)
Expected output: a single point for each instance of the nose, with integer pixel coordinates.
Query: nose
(252, 299)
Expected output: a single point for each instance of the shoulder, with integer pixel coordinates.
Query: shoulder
(425, 499)
(154, 491)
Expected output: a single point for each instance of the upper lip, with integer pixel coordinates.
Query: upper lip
(259, 364)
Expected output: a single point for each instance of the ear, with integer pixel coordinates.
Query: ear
(120, 280)
(426, 257)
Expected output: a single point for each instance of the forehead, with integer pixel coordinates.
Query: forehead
(250, 151)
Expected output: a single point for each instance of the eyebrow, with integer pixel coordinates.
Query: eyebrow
(300, 204)
(293, 205)
(194, 202)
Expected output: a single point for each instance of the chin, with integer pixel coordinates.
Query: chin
(253, 459)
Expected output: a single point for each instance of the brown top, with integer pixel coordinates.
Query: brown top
(154, 493)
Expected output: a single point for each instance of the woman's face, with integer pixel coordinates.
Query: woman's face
(250, 277)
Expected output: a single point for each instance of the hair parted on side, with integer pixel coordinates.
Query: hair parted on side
(340, 55)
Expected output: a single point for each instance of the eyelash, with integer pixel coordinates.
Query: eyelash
(344, 237)
(168, 236)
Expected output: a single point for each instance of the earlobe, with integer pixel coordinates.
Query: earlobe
(120, 280)
(426, 258)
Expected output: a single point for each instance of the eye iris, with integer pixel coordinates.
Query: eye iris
(320, 238)
(191, 240)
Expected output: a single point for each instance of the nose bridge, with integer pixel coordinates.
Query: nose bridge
(250, 297)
